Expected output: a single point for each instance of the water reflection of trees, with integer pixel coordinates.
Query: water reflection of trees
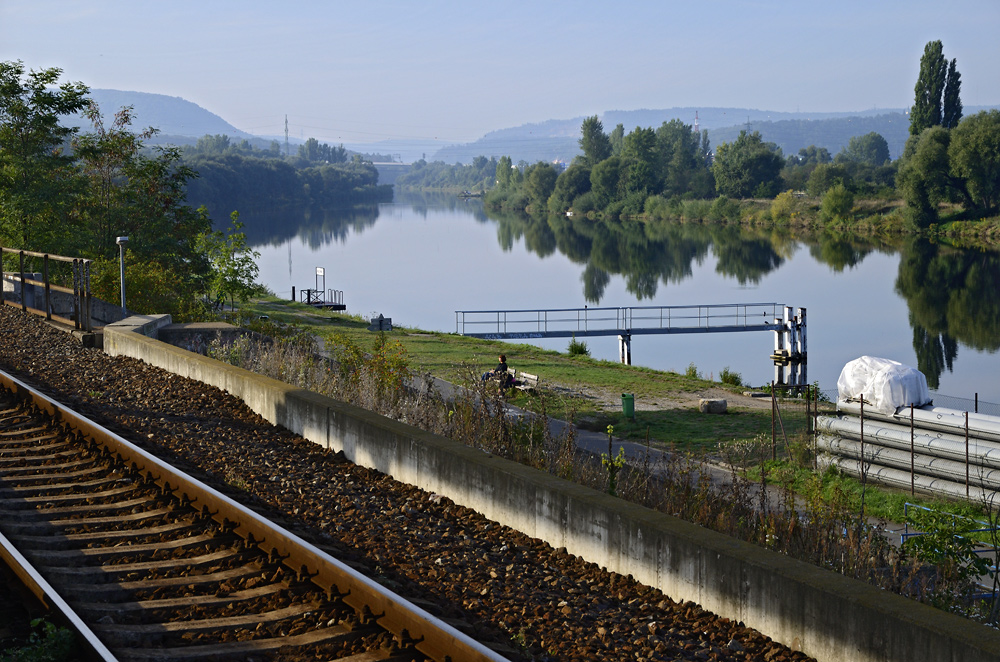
(745, 258)
(645, 254)
(839, 253)
(315, 226)
(951, 294)
(422, 202)
(319, 226)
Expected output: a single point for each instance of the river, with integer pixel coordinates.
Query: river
(419, 259)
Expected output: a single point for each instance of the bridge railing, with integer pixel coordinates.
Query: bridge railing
(603, 321)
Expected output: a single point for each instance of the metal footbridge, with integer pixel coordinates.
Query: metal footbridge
(624, 322)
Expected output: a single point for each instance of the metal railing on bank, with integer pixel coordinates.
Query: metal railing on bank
(47, 281)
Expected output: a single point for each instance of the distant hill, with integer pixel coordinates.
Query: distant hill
(558, 139)
(180, 122)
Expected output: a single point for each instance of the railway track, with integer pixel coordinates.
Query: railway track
(149, 564)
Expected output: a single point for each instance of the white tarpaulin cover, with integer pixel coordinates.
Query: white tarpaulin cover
(885, 383)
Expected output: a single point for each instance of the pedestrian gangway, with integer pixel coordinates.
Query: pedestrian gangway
(624, 322)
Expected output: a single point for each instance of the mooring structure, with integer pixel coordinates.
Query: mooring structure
(787, 324)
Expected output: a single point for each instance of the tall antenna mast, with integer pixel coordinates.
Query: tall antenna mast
(696, 128)
(286, 135)
(748, 124)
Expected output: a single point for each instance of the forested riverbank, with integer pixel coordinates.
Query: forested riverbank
(946, 183)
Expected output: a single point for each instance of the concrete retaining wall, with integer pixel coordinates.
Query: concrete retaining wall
(197, 337)
(813, 610)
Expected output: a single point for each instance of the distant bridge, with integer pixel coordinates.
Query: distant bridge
(789, 330)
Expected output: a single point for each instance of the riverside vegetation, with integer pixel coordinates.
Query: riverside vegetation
(948, 172)
(817, 517)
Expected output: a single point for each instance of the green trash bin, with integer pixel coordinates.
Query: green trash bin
(628, 405)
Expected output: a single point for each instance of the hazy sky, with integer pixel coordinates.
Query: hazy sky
(366, 70)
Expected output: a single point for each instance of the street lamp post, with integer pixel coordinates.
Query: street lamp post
(121, 241)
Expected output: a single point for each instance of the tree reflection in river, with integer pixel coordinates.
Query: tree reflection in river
(952, 297)
(315, 226)
(645, 254)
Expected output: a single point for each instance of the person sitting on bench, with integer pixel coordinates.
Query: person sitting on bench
(500, 372)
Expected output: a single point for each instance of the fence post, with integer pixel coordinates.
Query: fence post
(77, 290)
(24, 295)
(808, 409)
(774, 408)
(864, 473)
(815, 427)
(87, 300)
(48, 292)
(912, 478)
(1, 274)
(967, 455)
(977, 402)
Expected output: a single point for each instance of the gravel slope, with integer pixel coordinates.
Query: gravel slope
(497, 584)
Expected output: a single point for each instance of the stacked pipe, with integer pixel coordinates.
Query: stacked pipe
(939, 451)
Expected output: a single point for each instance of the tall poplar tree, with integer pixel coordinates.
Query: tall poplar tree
(594, 142)
(926, 111)
(951, 111)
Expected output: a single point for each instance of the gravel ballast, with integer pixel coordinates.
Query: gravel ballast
(519, 594)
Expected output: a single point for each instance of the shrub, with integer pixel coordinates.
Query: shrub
(634, 203)
(695, 210)
(578, 348)
(585, 203)
(614, 210)
(784, 206)
(728, 376)
(150, 288)
(724, 209)
(656, 207)
(47, 642)
(837, 203)
(692, 371)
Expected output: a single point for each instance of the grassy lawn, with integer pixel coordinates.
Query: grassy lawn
(458, 359)
(687, 429)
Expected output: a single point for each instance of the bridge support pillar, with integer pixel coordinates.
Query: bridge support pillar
(790, 350)
(625, 348)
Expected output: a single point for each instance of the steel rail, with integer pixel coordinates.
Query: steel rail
(407, 622)
(50, 598)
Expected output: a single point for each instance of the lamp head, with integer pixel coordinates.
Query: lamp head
(121, 241)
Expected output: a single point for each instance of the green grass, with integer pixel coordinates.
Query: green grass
(686, 429)
(458, 358)
(880, 503)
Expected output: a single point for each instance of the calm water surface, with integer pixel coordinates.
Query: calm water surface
(419, 260)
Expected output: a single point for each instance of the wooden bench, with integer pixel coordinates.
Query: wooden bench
(523, 381)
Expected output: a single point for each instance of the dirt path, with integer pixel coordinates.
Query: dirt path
(607, 400)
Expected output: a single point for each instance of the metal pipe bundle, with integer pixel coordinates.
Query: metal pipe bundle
(927, 465)
(897, 435)
(947, 420)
